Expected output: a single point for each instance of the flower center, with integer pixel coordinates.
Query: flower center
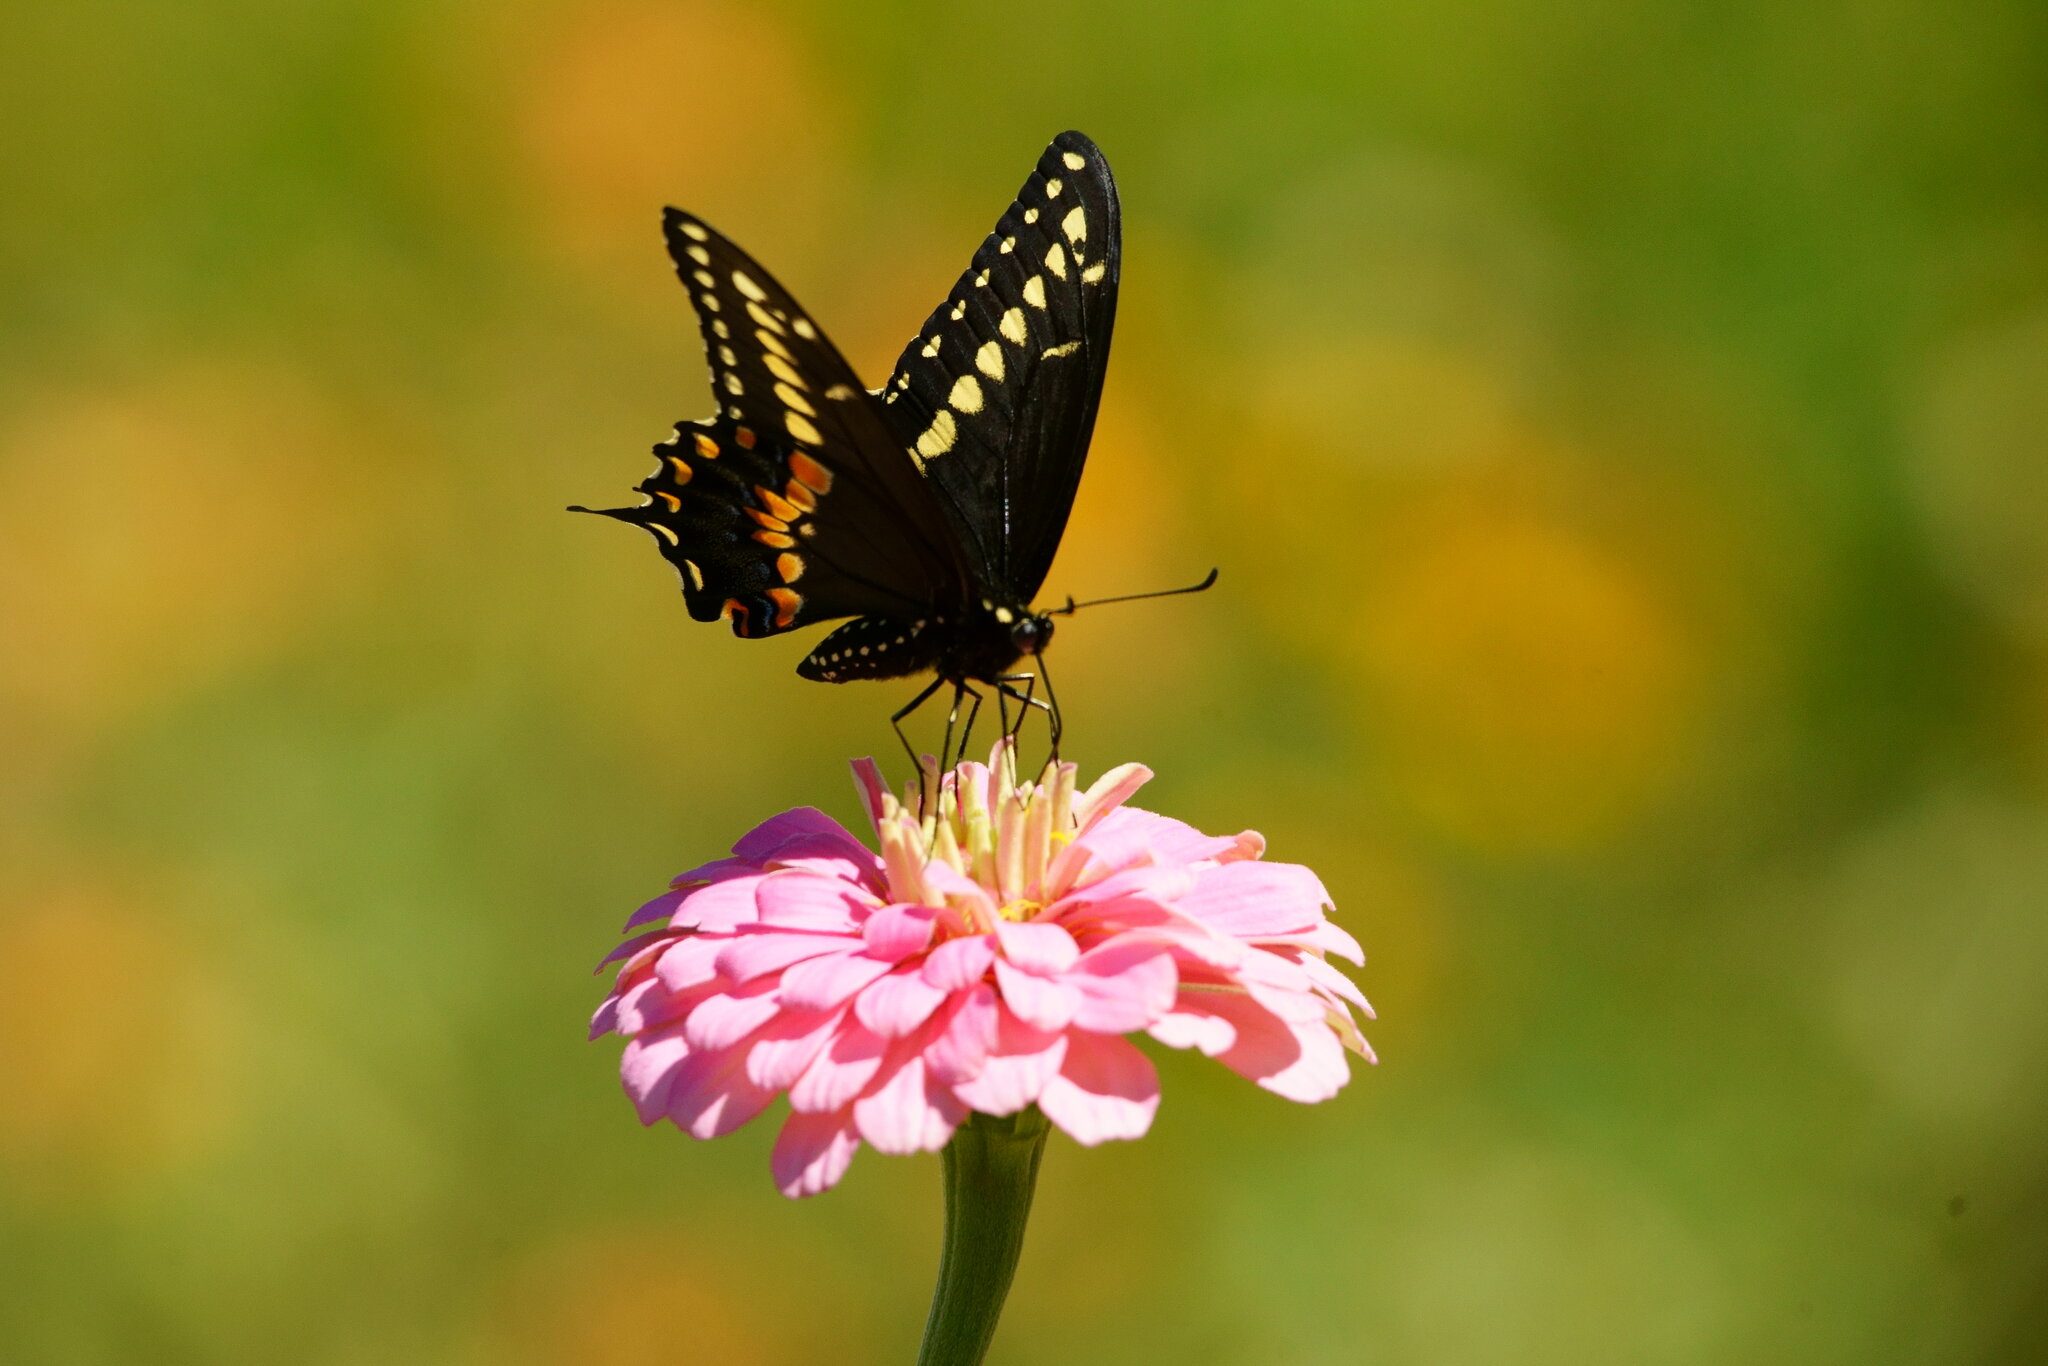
(1023, 908)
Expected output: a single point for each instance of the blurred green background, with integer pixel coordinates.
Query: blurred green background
(1621, 428)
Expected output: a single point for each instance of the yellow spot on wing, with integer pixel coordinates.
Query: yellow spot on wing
(658, 529)
(1034, 291)
(696, 231)
(1074, 160)
(700, 256)
(744, 283)
(1063, 349)
(989, 360)
(763, 317)
(1012, 326)
(696, 575)
(800, 427)
(966, 395)
(802, 327)
(1093, 275)
(783, 370)
(794, 400)
(1075, 224)
(938, 438)
(1052, 189)
(1056, 260)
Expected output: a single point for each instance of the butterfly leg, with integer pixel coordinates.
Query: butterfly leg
(1005, 688)
(967, 731)
(896, 721)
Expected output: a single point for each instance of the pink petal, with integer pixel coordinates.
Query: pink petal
(1124, 986)
(796, 900)
(761, 843)
(1336, 983)
(655, 911)
(966, 1034)
(896, 932)
(901, 1113)
(1036, 945)
(606, 1019)
(758, 953)
(1128, 837)
(812, 1152)
(1198, 1029)
(718, 870)
(1146, 884)
(1108, 792)
(692, 962)
(789, 1044)
(723, 1019)
(720, 907)
(1254, 900)
(822, 983)
(1013, 1074)
(1304, 1063)
(959, 963)
(965, 897)
(841, 1072)
(1105, 1089)
(647, 1069)
(898, 1003)
(1042, 1002)
(867, 780)
(712, 1095)
(650, 1005)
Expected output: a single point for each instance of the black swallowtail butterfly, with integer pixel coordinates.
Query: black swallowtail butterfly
(928, 510)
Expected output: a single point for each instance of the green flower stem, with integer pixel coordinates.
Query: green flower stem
(991, 1170)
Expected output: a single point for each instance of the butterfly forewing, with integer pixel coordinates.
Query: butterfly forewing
(995, 397)
(793, 503)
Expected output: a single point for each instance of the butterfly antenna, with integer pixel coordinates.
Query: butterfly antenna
(1072, 607)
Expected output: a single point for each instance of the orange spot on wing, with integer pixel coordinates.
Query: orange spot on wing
(681, 468)
(706, 447)
(801, 497)
(786, 603)
(810, 472)
(789, 568)
(777, 504)
(775, 539)
(764, 520)
(675, 504)
(745, 436)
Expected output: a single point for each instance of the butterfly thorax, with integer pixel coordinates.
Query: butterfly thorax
(980, 644)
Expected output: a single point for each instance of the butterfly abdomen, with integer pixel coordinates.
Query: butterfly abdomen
(877, 647)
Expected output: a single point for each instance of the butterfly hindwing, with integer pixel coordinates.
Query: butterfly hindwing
(996, 395)
(794, 503)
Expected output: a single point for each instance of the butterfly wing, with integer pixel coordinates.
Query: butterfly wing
(795, 502)
(996, 395)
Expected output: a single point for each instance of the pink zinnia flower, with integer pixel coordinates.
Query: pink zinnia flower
(991, 959)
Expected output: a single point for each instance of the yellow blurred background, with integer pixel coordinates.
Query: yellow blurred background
(1621, 429)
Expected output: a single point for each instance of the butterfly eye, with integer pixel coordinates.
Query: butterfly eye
(1031, 634)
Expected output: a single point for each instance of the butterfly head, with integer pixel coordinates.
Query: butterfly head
(1031, 633)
